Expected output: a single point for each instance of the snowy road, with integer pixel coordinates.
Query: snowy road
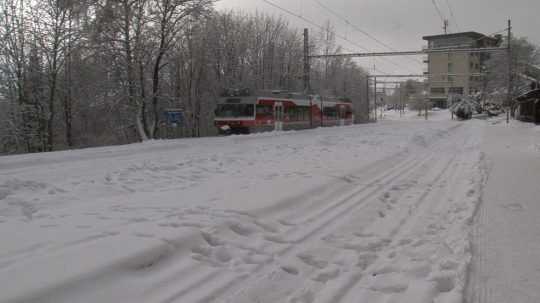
(368, 213)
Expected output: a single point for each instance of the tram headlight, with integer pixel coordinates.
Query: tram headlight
(225, 128)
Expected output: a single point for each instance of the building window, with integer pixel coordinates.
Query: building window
(450, 67)
(456, 90)
(438, 90)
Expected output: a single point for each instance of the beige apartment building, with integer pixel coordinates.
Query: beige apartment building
(458, 72)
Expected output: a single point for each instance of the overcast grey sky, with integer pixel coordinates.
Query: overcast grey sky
(402, 23)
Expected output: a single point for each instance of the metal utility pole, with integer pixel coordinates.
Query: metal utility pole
(367, 96)
(311, 112)
(307, 71)
(509, 92)
(384, 93)
(322, 111)
(400, 102)
(375, 92)
(307, 65)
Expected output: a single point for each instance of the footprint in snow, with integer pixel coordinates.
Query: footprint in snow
(444, 282)
(211, 239)
(290, 269)
(286, 223)
(241, 229)
(266, 226)
(312, 261)
(327, 275)
(514, 207)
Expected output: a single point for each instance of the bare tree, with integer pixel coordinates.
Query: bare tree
(52, 34)
(524, 55)
(97, 72)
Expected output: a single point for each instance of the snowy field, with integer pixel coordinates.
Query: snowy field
(368, 213)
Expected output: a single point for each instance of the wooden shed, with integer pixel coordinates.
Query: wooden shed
(528, 105)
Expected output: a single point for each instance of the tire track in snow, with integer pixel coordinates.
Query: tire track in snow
(478, 290)
(328, 221)
(447, 171)
(395, 236)
(453, 170)
(342, 208)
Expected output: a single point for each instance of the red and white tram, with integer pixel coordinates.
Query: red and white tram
(240, 113)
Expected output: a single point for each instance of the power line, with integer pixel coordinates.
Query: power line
(443, 19)
(415, 52)
(352, 25)
(438, 10)
(358, 29)
(321, 27)
(452, 14)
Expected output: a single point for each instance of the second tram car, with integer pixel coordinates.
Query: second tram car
(239, 112)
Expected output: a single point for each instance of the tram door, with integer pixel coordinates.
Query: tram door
(342, 115)
(278, 116)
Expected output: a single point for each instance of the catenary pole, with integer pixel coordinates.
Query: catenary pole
(307, 65)
(509, 89)
(307, 71)
(375, 98)
(367, 95)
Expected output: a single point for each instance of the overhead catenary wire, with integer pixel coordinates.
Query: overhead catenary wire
(324, 29)
(438, 10)
(357, 28)
(452, 15)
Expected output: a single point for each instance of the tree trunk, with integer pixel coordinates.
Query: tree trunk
(67, 98)
(143, 135)
(52, 111)
(155, 93)
(143, 99)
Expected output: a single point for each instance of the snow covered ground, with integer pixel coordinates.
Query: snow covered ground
(506, 243)
(367, 213)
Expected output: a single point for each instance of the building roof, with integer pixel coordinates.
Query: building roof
(473, 35)
(530, 95)
(533, 71)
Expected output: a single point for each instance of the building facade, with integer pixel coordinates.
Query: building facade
(458, 72)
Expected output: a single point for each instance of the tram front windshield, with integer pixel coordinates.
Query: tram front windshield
(235, 110)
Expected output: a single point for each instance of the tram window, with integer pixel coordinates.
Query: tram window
(303, 113)
(330, 112)
(264, 110)
(234, 110)
(291, 113)
(297, 114)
